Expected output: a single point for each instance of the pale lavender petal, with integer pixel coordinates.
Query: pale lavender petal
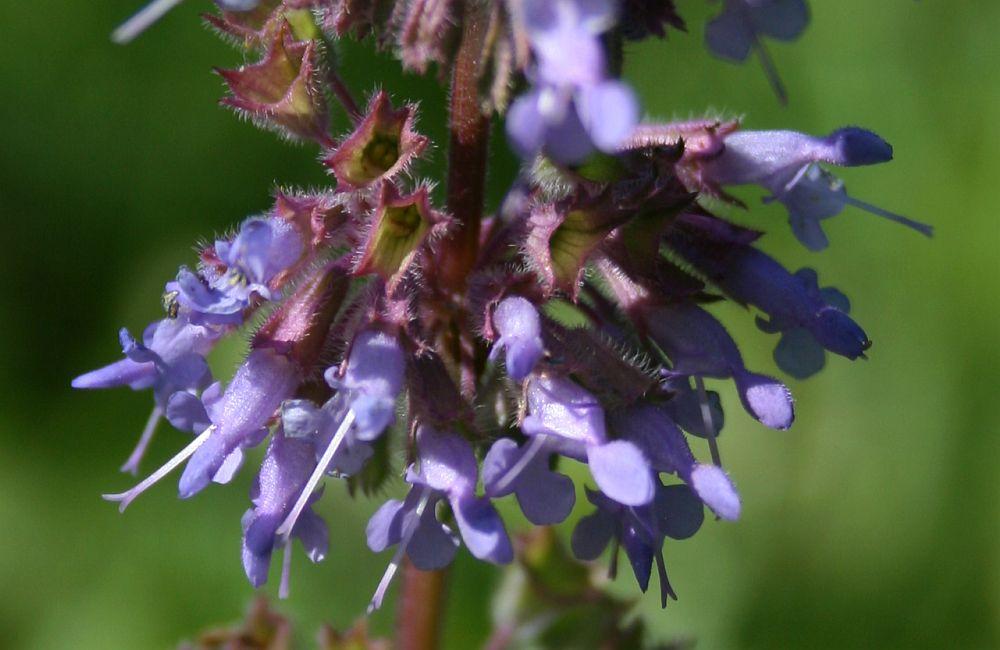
(766, 399)
(610, 112)
(622, 472)
(712, 485)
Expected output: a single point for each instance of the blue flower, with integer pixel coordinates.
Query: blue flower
(737, 31)
(262, 249)
(785, 163)
(170, 358)
(287, 465)
(520, 329)
(698, 345)
(573, 107)
(446, 471)
(674, 512)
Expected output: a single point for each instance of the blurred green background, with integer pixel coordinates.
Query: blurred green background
(874, 522)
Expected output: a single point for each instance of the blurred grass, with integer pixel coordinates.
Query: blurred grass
(873, 522)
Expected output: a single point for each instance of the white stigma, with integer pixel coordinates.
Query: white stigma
(285, 529)
(410, 527)
(142, 19)
(125, 498)
(284, 586)
(535, 446)
(131, 465)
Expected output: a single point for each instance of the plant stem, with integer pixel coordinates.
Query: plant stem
(421, 608)
(469, 131)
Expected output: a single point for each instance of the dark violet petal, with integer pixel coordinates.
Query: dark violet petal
(712, 485)
(684, 408)
(728, 36)
(784, 20)
(679, 511)
(592, 535)
(855, 146)
(640, 554)
(836, 332)
(799, 354)
(622, 472)
(385, 526)
(836, 299)
(482, 529)
(766, 399)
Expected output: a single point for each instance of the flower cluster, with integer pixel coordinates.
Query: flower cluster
(366, 341)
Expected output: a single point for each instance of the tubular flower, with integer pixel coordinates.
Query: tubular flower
(392, 336)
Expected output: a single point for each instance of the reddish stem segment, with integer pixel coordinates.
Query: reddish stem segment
(467, 151)
(421, 605)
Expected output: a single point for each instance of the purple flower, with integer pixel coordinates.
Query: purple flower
(169, 359)
(792, 301)
(446, 471)
(737, 31)
(239, 420)
(784, 163)
(546, 497)
(262, 249)
(346, 425)
(798, 352)
(284, 472)
(697, 344)
(573, 107)
(650, 428)
(572, 420)
(520, 329)
(674, 512)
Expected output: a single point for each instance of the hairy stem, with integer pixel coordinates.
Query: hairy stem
(469, 130)
(421, 608)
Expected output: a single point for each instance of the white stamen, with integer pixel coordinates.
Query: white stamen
(285, 529)
(142, 19)
(125, 498)
(922, 228)
(535, 446)
(132, 464)
(411, 527)
(286, 569)
(706, 418)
